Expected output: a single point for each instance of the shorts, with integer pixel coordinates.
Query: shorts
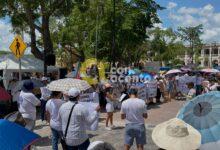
(109, 107)
(137, 132)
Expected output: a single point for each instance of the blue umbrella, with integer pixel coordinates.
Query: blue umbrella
(203, 113)
(146, 76)
(15, 137)
(131, 72)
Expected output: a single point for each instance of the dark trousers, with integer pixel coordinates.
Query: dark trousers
(83, 146)
(42, 109)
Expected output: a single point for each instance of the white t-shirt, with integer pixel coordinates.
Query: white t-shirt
(45, 93)
(28, 103)
(53, 106)
(80, 118)
(134, 109)
(191, 93)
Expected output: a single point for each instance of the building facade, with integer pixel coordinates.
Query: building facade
(209, 55)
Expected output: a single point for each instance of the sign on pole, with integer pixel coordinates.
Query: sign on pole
(18, 47)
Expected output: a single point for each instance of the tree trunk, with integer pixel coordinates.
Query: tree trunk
(47, 42)
(30, 20)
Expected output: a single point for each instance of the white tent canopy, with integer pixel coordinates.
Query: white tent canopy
(10, 64)
(28, 64)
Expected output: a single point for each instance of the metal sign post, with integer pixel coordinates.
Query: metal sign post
(20, 77)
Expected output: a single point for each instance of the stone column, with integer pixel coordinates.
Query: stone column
(218, 55)
(210, 57)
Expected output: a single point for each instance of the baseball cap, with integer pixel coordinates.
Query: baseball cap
(73, 92)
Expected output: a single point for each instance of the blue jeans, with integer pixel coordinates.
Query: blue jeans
(83, 146)
(42, 109)
(56, 136)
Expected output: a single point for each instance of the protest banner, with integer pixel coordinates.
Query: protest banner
(151, 88)
(90, 101)
(182, 83)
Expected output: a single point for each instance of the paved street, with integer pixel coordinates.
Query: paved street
(157, 114)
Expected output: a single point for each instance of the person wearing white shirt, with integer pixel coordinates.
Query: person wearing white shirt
(134, 110)
(192, 91)
(28, 102)
(45, 95)
(52, 109)
(75, 134)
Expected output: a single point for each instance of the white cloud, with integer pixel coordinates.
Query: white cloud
(194, 16)
(171, 5)
(6, 36)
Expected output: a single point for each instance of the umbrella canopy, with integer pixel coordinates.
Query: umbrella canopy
(146, 76)
(68, 83)
(173, 71)
(131, 72)
(209, 70)
(185, 68)
(15, 137)
(19, 85)
(203, 113)
(4, 96)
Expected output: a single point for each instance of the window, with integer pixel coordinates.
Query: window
(206, 51)
(215, 51)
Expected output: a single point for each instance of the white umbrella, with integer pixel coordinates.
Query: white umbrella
(209, 70)
(173, 71)
(68, 83)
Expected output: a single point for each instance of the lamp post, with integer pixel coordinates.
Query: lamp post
(113, 34)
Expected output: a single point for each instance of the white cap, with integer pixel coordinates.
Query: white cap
(44, 79)
(73, 92)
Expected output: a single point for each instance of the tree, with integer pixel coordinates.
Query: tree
(91, 32)
(192, 36)
(165, 44)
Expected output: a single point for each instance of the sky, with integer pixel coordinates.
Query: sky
(192, 13)
(177, 13)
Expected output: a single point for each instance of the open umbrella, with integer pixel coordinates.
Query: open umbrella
(173, 71)
(19, 85)
(4, 96)
(131, 72)
(68, 83)
(209, 70)
(15, 137)
(203, 113)
(146, 76)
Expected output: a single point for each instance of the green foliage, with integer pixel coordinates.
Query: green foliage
(90, 31)
(192, 36)
(165, 45)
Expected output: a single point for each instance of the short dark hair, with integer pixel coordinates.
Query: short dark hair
(73, 99)
(133, 91)
(28, 85)
(191, 84)
(55, 93)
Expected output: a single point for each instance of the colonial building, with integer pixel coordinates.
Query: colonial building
(209, 55)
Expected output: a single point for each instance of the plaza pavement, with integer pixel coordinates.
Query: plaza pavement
(157, 113)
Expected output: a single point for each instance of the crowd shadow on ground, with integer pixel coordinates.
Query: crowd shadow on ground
(154, 106)
(43, 141)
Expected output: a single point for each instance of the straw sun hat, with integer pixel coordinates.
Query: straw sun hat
(175, 134)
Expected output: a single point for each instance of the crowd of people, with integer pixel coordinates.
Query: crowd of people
(68, 118)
